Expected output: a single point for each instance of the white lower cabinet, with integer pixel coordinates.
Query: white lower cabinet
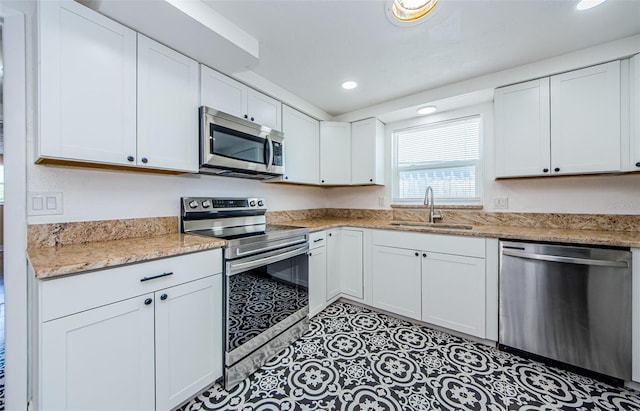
(334, 263)
(188, 340)
(396, 281)
(352, 263)
(453, 292)
(100, 359)
(152, 350)
(317, 273)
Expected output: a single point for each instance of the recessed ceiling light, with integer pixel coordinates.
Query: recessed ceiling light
(427, 109)
(409, 12)
(348, 85)
(589, 4)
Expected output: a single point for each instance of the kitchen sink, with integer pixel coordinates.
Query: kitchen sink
(431, 225)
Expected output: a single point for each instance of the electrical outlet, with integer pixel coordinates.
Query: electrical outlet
(501, 203)
(44, 203)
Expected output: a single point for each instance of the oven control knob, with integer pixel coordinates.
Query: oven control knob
(252, 203)
(193, 204)
(260, 203)
(206, 204)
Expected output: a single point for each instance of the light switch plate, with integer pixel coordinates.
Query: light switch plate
(45, 203)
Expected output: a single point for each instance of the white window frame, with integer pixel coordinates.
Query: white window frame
(479, 164)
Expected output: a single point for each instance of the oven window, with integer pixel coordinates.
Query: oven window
(236, 145)
(260, 298)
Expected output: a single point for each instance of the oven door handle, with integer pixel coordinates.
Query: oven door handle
(273, 247)
(237, 267)
(564, 259)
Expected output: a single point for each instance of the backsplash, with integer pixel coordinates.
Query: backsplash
(612, 222)
(48, 235)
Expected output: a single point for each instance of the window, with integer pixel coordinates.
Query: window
(445, 156)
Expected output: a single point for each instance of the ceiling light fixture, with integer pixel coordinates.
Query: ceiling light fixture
(427, 110)
(349, 85)
(408, 11)
(589, 4)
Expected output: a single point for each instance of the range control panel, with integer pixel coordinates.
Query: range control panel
(197, 204)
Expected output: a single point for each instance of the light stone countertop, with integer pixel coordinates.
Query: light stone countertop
(48, 262)
(594, 237)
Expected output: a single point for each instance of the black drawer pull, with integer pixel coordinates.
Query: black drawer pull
(318, 240)
(417, 253)
(545, 170)
(163, 297)
(153, 277)
(556, 169)
(148, 301)
(638, 164)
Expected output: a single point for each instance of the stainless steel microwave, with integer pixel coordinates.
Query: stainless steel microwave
(234, 147)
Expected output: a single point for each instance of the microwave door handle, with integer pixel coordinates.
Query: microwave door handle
(269, 153)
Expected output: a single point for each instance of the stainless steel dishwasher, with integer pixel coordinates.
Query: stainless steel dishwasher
(568, 303)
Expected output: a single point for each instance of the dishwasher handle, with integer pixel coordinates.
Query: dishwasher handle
(562, 259)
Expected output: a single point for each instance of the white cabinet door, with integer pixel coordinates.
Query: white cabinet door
(188, 340)
(367, 152)
(222, 93)
(635, 113)
(453, 292)
(396, 280)
(334, 263)
(522, 133)
(335, 152)
(301, 147)
(317, 280)
(585, 120)
(264, 110)
(87, 85)
(352, 263)
(100, 359)
(167, 108)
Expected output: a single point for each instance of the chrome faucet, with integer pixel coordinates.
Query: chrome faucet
(428, 200)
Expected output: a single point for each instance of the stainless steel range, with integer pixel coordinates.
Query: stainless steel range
(266, 279)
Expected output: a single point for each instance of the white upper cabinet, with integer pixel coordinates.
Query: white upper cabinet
(367, 152)
(335, 153)
(569, 123)
(585, 120)
(167, 108)
(522, 133)
(87, 85)
(301, 147)
(634, 159)
(230, 96)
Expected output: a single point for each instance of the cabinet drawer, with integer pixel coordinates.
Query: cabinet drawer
(318, 239)
(68, 295)
(439, 243)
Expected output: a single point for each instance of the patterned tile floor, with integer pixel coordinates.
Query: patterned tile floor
(357, 359)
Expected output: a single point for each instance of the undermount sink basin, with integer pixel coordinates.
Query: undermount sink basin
(431, 225)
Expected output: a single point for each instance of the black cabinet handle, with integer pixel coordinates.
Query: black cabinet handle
(371, 180)
(556, 169)
(153, 277)
(246, 116)
(310, 254)
(323, 181)
(164, 297)
(317, 240)
(251, 118)
(130, 158)
(417, 254)
(545, 170)
(286, 177)
(330, 234)
(148, 301)
(424, 255)
(145, 160)
(638, 164)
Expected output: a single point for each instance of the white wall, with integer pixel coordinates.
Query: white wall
(102, 195)
(608, 194)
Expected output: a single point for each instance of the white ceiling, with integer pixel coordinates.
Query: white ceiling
(309, 47)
